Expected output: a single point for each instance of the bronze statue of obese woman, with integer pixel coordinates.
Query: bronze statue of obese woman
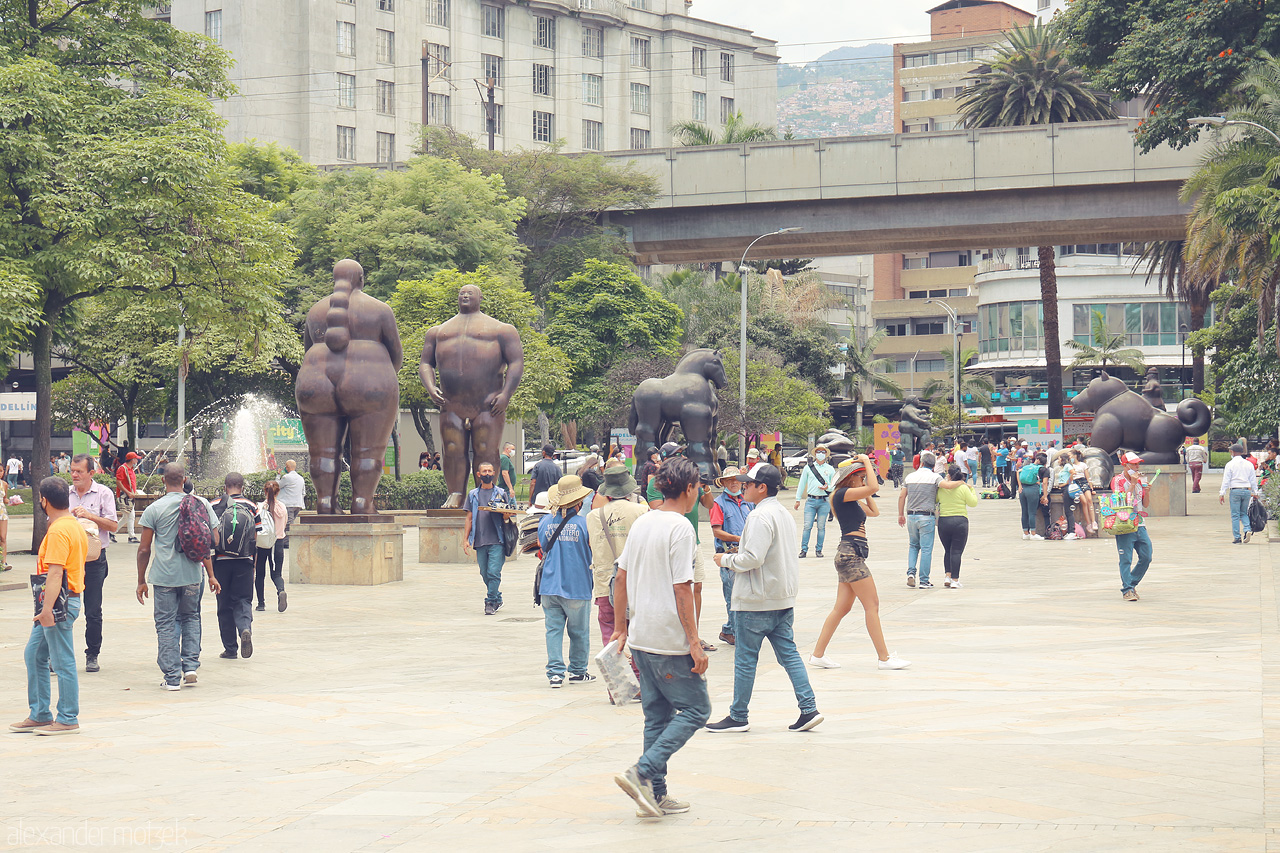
(347, 386)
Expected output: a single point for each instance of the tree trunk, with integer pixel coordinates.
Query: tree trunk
(544, 427)
(395, 443)
(1197, 355)
(41, 352)
(1052, 339)
(422, 424)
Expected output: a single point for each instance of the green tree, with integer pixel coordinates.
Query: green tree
(423, 303)
(979, 386)
(736, 130)
(776, 400)
(121, 188)
(566, 198)
(1181, 56)
(270, 171)
(1031, 82)
(1193, 285)
(1105, 348)
(82, 399)
(864, 371)
(1246, 376)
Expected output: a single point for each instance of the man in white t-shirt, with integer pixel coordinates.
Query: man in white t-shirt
(13, 468)
(1197, 457)
(655, 575)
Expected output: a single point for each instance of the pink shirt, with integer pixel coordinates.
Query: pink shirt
(101, 502)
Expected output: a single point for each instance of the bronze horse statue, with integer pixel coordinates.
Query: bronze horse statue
(687, 397)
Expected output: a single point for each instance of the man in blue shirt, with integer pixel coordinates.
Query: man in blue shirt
(814, 487)
(567, 581)
(728, 516)
(483, 532)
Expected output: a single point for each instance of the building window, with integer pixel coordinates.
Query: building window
(437, 109)
(921, 263)
(640, 99)
(947, 57)
(895, 330)
(592, 135)
(639, 4)
(699, 62)
(491, 21)
(386, 47)
(386, 147)
(543, 77)
(947, 92)
(346, 38)
(910, 95)
(917, 60)
(347, 91)
(726, 110)
(639, 52)
(492, 69)
(916, 128)
(346, 143)
(593, 89)
(213, 25)
(438, 61)
(438, 13)
(497, 119)
(544, 34)
(700, 106)
(386, 6)
(930, 365)
(930, 328)
(386, 97)
(593, 42)
(726, 67)
(543, 126)
(639, 138)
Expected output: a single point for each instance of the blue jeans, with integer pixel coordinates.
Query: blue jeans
(177, 615)
(13, 482)
(920, 532)
(815, 510)
(53, 646)
(1238, 499)
(753, 627)
(1029, 497)
(726, 583)
(675, 704)
(1126, 544)
(490, 558)
(561, 613)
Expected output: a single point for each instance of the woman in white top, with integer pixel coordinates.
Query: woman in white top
(1080, 477)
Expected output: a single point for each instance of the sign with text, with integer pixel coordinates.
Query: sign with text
(19, 406)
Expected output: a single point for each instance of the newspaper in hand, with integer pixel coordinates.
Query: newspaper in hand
(615, 669)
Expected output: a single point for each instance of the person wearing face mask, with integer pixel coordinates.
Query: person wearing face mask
(567, 582)
(814, 488)
(729, 514)
(483, 532)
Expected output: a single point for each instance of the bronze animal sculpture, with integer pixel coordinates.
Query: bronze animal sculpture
(915, 425)
(479, 361)
(1123, 419)
(686, 397)
(347, 387)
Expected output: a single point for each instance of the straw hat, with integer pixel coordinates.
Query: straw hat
(567, 492)
(730, 473)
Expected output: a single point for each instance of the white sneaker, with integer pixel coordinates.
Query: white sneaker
(167, 686)
(894, 662)
(1036, 537)
(189, 678)
(823, 663)
(957, 585)
(1026, 536)
(1070, 536)
(947, 583)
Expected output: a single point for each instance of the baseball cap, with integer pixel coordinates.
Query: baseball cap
(548, 448)
(671, 449)
(1130, 458)
(131, 455)
(753, 453)
(765, 473)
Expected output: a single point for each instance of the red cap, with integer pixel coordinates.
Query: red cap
(131, 456)
(1130, 458)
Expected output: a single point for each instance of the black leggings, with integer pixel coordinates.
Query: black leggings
(953, 530)
(275, 557)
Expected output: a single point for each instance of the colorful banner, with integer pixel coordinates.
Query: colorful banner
(1041, 431)
(887, 436)
(626, 442)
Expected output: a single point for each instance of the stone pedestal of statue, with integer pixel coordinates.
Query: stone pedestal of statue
(1168, 493)
(346, 549)
(440, 538)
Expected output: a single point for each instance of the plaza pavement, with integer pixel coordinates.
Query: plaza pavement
(1042, 712)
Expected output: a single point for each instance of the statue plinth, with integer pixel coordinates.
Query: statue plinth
(440, 536)
(1168, 494)
(346, 550)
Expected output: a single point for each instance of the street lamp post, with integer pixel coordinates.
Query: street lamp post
(1223, 121)
(742, 341)
(1182, 374)
(955, 360)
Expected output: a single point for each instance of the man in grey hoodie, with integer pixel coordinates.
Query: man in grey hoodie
(766, 580)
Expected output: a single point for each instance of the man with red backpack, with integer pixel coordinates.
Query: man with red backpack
(235, 544)
(177, 540)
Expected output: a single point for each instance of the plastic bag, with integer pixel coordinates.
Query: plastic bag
(615, 669)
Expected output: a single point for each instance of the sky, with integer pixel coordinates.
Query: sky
(806, 29)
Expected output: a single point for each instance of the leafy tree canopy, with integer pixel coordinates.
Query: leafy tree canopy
(736, 130)
(270, 171)
(776, 400)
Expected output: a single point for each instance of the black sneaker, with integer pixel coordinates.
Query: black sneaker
(91, 663)
(261, 608)
(556, 680)
(497, 606)
(818, 554)
(229, 655)
(282, 601)
(728, 724)
(489, 609)
(584, 678)
(804, 554)
(806, 722)
(246, 643)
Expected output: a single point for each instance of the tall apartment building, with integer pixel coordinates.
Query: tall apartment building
(928, 77)
(352, 81)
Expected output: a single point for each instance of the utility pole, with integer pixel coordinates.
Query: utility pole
(426, 84)
(490, 111)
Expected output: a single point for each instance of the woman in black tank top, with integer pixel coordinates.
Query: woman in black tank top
(853, 501)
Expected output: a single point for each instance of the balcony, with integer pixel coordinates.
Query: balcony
(925, 344)
(965, 306)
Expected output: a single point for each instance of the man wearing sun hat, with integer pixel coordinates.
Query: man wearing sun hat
(728, 516)
(607, 530)
(565, 587)
(1130, 482)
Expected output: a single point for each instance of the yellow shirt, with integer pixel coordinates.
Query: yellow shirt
(65, 544)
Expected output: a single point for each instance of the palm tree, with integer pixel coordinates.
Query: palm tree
(862, 368)
(736, 130)
(1192, 285)
(1031, 82)
(1105, 348)
(976, 385)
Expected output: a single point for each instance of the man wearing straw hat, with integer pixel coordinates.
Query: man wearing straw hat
(565, 586)
(607, 530)
(728, 516)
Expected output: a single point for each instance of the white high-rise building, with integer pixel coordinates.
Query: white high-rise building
(353, 81)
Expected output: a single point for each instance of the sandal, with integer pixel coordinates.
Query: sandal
(707, 647)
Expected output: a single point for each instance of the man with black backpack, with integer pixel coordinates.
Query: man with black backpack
(177, 539)
(235, 547)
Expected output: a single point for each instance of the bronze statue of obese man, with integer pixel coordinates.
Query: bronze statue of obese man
(480, 361)
(347, 385)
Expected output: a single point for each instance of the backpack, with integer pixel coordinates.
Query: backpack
(1002, 490)
(1257, 516)
(1029, 474)
(195, 537)
(236, 531)
(267, 537)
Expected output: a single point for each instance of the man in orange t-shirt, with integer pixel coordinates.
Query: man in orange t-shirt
(63, 551)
